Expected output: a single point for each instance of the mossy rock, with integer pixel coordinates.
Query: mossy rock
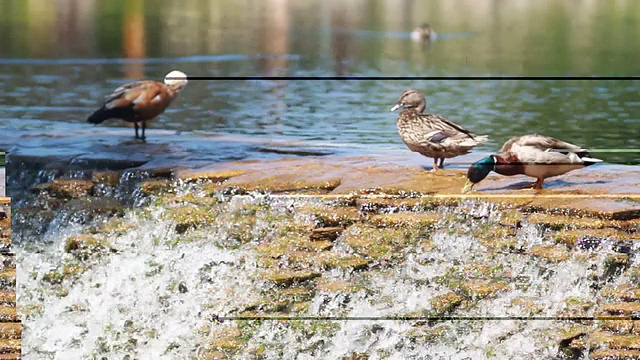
(67, 188)
(381, 243)
(108, 177)
(551, 253)
(8, 313)
(329, 285)
(424, 220)
(332, 260)
(213, 175)
(622, 308)
(445, 303)
(570, 237)
(608, 354)
(8, 278)
(95, 205)
(10, 330)
(604, 339)
(84, 247)
(188, 216)
(559, 222)
(228, 339)
(332, 217)
(326, 233)
(156, 186)
(289, 277)
(479, 289)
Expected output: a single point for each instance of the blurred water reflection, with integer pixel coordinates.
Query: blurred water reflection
(59, 59)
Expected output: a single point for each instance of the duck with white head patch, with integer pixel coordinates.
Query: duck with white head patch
(533, 155)
(140, 101)
(431, 135)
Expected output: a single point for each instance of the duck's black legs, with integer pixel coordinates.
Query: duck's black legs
(435, 165)
(135, 124)
(441, 166)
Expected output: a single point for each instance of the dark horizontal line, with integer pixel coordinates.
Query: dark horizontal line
(369, 78)
(424, 318)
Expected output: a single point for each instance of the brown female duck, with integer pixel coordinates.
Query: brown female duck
(140, 101)
(431, 135)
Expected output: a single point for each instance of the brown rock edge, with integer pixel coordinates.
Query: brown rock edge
(10, 325)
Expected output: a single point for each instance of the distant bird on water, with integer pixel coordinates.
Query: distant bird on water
(431, 135)
(533, 155)
(140, 101)
(423, 32)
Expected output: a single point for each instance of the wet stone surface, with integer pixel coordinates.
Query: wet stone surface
(331, 235)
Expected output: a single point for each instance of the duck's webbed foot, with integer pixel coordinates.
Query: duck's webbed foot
(538, 184)
(435, 165)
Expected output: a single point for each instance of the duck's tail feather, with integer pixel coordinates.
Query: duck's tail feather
(105, 113)
(589, 160)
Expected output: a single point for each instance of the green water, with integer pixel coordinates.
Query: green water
(59, 58)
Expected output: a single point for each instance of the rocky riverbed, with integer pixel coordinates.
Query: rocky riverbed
(124, 258)
(10, 328)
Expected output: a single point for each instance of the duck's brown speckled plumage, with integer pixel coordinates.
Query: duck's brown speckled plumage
(431, 135)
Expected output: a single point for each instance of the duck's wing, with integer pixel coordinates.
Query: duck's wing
(443, 128)
(136, 94)
(540, 142)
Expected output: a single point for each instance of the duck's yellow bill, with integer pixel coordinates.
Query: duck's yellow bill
(468, 186)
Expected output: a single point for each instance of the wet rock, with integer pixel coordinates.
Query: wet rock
(572, 341)
(187, 217)
(604, 339)
(7, 297)
(337, 286)
(337, 217)
(479, 289)
(67, 189)
(84, 247)
(182, 288)
(229, 338)
(629, 294)
(585, 242)
(155, 186)
(406, 219)
(10, 349)
(326, 233)
(290, 277)
(333, 260)
(606, 354)
(8, 278)
(380, 243)
(620, 326)
(107, 177)
(8, 313)
(94, 206)
(211, 175)
(614, 265)
(586, 236)
(552, 253)
(627, 309)
(10, 330)
(559, 222)
(445, 303)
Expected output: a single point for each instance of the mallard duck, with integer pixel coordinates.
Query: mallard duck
(431, 135)
(533, 155)
(423, 33)
(140, 101)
